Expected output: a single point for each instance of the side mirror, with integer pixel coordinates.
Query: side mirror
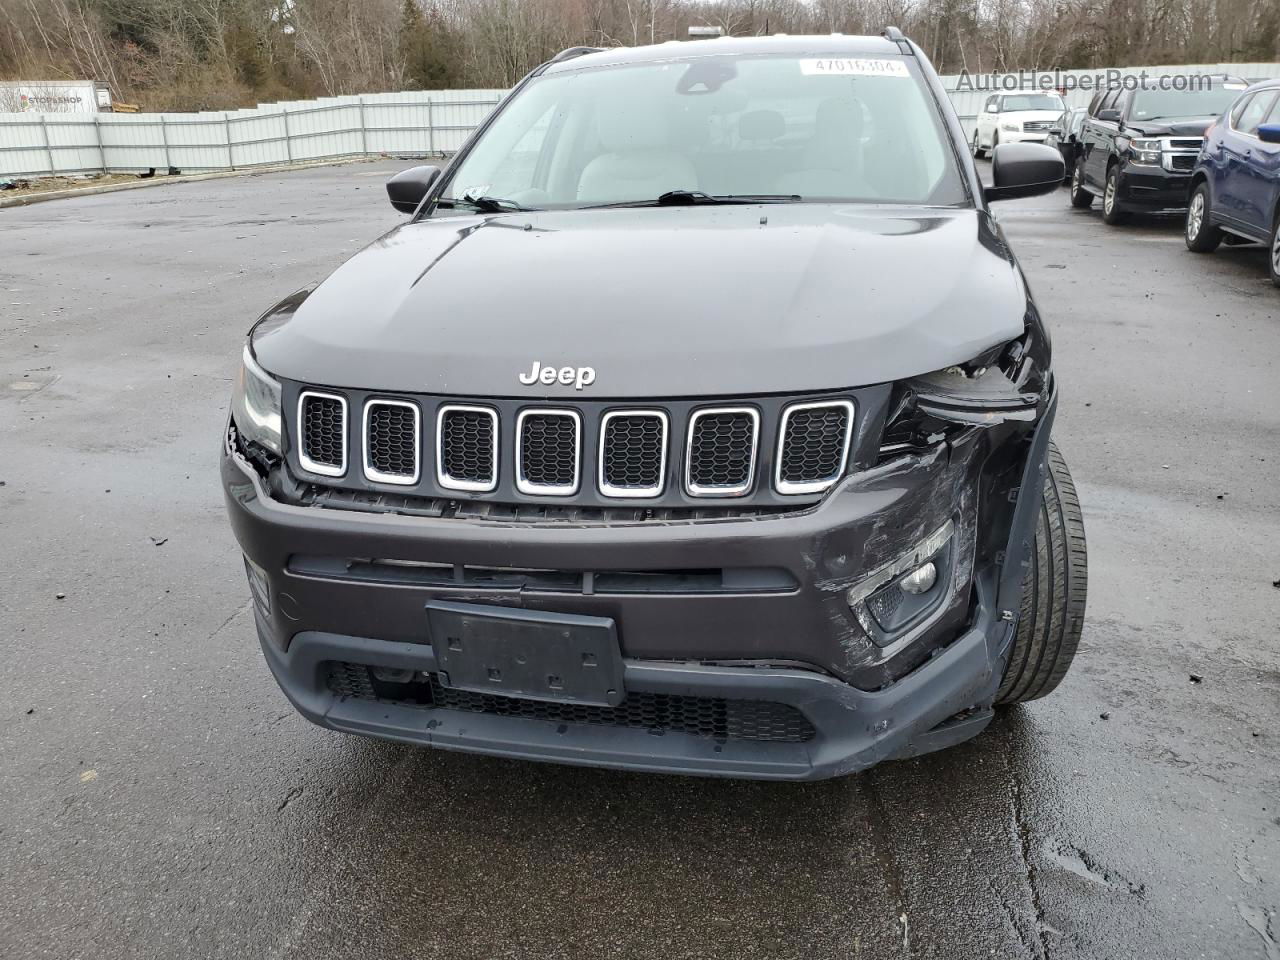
(1269, 133)
(407, 188)
(1110, 115)
(993, 108)
(1024, 170)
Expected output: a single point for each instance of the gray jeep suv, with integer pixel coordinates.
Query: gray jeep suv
(696, 421)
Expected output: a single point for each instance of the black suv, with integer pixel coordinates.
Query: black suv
(1139, 144)
(698, 420)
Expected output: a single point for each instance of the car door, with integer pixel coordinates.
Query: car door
(1245, 185)
(1267, 163)
(1074, 128)
(1098, 142)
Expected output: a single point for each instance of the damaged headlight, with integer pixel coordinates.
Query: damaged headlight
(255, 405)
(1001, 385)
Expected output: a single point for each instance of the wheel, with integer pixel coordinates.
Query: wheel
(1053, 596)
(977, 150)
(1200, 234)
(1080, 197)
(1111, 212)
(1274, 259)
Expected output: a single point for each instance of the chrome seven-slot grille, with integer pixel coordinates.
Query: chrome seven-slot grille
(719, 447)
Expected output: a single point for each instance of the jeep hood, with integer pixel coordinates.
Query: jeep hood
(660, 301)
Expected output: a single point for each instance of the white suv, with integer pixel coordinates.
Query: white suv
(1015, 118)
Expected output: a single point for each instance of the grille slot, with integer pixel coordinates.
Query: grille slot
(721, 458)
(813, 446)
(633, 453)
(708, 717)
(322, 433)
(548, 452)
(467, 448)
(391, 431)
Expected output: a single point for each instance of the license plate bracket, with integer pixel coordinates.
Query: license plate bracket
(505, 651)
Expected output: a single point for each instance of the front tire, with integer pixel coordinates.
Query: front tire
(978, 152)
(1081, 198)
(1200, 234)
(1111, 212)
(1274, 259)
(1053, 597)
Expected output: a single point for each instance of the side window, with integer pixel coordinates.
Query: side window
(991, 102)
(1095, 103)
(1274, 116)
(1259, 106)
(1239, 109)
(1109, 101)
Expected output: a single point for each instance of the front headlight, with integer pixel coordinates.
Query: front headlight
(1011, 127)
(1001, 385)
(1145, 151)
(255, 405)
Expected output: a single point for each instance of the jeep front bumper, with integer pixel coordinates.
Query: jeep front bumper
(799, 647)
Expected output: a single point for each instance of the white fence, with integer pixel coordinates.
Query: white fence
(418, 123)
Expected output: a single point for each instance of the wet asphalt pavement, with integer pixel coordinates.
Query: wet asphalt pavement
(159, 797)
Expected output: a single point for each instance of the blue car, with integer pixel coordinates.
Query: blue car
(1235, 188)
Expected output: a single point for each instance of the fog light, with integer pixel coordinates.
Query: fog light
(920, 580)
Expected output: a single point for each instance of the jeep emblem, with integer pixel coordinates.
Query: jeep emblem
(579, 377)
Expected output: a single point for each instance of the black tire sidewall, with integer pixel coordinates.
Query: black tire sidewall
(1080, 197)
(1207, 237)
(1115, 215)
(1054, 592)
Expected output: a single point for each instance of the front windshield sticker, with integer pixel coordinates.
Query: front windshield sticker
(849, 67)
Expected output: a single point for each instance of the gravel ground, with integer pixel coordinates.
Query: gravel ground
(160, 798)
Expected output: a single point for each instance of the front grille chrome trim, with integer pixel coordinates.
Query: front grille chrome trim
(307, 464)
(697, 490)
(453, 483)
(633, 493)
(372, 473)
(532, 489)
(789, 488)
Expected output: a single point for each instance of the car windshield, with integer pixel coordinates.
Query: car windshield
(1031, 101)
(714, 129)
(1163, 104)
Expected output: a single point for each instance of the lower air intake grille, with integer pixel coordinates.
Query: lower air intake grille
(633, 454)
(549, 452)
(708, 717)
(391, 441)
(468, 448)
(722, 451)
(815, 440)
(322, 424)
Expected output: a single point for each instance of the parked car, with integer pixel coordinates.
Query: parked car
(697, 420)
(1065, 135)
(1014, 118)
(1139, 146)
(1235, 187)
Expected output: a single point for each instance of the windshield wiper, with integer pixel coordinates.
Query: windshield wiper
(491, 204)
(682, 198)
